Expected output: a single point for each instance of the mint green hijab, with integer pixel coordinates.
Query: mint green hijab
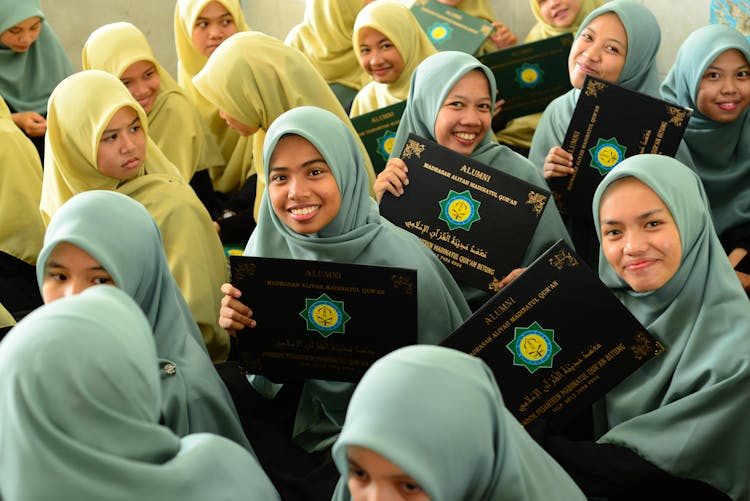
(358, 234)
(80, 400)
(121, 235)
(27, 79)
(430, 85)
(721, 152)
(437, 414)
(687, 410)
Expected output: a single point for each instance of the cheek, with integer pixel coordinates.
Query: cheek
(277, 196)
(50, 291)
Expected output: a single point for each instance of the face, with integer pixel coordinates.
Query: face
(559, 13)
(143, 81)
(374, 478)
(599, 51)
(19, 38)
(724, 91)
(70, 270)
(122, 147)
(242, 128)
(303, 191)
(379, 57)
(639, 236)
(212, 26)
(466, 114)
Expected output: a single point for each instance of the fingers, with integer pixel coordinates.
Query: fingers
(558, 163)
(392, 179)
(511, 276)
(32, 123)
(230, 290)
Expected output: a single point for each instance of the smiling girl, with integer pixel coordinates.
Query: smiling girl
(711, 75)
(455, 110)
(390, 44)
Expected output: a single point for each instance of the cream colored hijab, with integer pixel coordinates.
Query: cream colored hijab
(22, 228)
(70, 151)
(255, 78)
(174, 122)
(394, 20)
(80, 109)
(325, 37)
(235, 149)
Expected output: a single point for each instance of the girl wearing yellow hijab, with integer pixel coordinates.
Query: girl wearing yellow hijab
(389, 44)
(254, 78)
(200, 26)
(173, 120)
(21, 226)
(325, 37)
(96, 140)
(554, 17)
(500, 38)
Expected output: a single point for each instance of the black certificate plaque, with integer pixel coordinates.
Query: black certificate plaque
(531, 75)
(377, 130)
(322, 320)
(611, 123)
(556, 338)
(477, 220)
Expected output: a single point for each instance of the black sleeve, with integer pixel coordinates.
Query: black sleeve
(615, 472)
(201, 184)
(736, 238)
(237, 228)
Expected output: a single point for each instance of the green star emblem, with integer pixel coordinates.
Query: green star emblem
(459, 210)
(529, 75)
(606, 155)
(324, 315)
(533, 347)
(385, 144)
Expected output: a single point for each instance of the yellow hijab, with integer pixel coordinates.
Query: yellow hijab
(6, 319)
(255, 78)
(174, 122)
(22, 229)
(235, 149)
(325, 37)
(477, 8)
(80, 109)
(542, 29)
(395, 21)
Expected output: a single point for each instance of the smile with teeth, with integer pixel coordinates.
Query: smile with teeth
(304, 211)
(728, 106)
(466, 136)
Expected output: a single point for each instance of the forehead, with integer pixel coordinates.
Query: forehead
(473, 82)
(293, 148)
(629, 195)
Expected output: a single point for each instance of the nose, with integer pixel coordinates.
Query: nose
(73, 287)
(471, 116)
(298, 189)
(729, 86)
(215, 32)
(635, 244)
(127, 144)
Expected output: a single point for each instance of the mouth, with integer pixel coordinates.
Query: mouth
(729, 105)
(303, 213)
(560, 14)
(22, 48)
(132, 163)
(585, 68)
(467, 138)
(638, 265)
(145, 102)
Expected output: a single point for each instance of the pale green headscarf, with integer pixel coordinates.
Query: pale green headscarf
(437, 414)
(721, 152)
(430, 85)
(121, 235)
(80, 400)
(27, 79)
(359, 235)
(687, 410)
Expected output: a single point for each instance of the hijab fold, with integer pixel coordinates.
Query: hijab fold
(80, 400)
(686, 411)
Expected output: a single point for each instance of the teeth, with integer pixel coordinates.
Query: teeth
(467, 136)
(727, 106)
(305, 210)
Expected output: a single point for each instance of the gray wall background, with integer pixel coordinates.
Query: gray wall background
(74, 20)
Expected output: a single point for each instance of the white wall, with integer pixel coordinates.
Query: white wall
(75, 20)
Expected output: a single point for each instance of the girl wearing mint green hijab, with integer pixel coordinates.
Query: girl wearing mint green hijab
(678, 426)
(346, 227)
(454, 109)
(711, 75)
(617, 42)
(437, 416)
(32, 63)
(81, 403)
(121, 237)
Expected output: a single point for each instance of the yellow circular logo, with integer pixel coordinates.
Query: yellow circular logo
(325, 315)
(533, 347)
(388, 145)
(439, 32)
(608, 156)
(529, 75)
(459, 210)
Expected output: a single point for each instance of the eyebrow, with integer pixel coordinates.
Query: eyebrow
(136, 119)
(204, 18)
(304, 164)
(712, 67)
(610, 39)
(55, 264)
(645, 215)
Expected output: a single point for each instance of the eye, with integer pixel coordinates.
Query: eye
(226, 22)
(57, 276)
(357, 473)
(613, 49)
(278, 178)
(587, 37)
(653, 224)
(316, 172)
(485, 106)
(364, 50)
(712, 75)
(201, 24)
(411, 487)
(109, 138)
(102, 280)
(611, 232)
(135, 128)
(386, 45)
(743, 74)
